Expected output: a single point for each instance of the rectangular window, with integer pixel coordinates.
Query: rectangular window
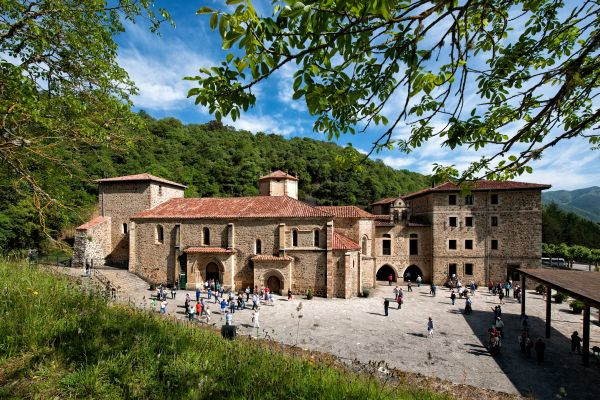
(387, 247)
(494, 198)
(469, 200)
(452, 200)
(468, 221)
(451, 269)
(468, 244)
(125, 228)
(452, 244)
(468, 269)
(452, 221)
(414, 247)
(494, 221)
(494, 244)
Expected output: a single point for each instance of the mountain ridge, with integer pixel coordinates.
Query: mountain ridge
(584, 202)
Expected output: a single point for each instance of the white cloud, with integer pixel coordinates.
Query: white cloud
(261, 123)
(285, 89)
(399, 162)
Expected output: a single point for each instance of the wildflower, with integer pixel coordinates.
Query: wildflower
(35, 293)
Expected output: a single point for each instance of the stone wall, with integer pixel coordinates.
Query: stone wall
(92, 244)
(265, 269)
(160, 192)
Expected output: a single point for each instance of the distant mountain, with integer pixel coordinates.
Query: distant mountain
(583, 202)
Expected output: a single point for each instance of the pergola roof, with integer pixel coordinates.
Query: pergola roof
(581, 285)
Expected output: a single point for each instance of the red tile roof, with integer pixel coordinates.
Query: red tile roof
(346, 212)
(482, 185)
(278, 175)
(341, 242)
(140, 177)
(234, 207)
(91, 223)
(264, 257)
(386, 200)
(211, 250)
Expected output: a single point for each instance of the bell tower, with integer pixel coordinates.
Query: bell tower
(279, 183)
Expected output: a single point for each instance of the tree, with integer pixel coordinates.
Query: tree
(60, 83)
(515, 77)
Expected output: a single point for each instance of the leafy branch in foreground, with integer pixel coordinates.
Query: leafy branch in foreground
(514, 77)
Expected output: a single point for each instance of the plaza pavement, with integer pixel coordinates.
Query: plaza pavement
(357, 329)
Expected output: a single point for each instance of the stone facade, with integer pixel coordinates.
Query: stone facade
(285, 244)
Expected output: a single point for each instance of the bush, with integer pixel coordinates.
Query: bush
(309, 295)
(152, 286)
(539, 289)
(559, 297)
(366, 292)
(577, 306)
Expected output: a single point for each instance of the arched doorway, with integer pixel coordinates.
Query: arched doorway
(213, 272)
(384, 272)
(412, 272)
(274, 284)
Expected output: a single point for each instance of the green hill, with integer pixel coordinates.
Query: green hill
(211, 159)
(583, 202)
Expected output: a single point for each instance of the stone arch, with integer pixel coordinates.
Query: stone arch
(213, 269)
(411, 272)
(384, 271)
(268, 281)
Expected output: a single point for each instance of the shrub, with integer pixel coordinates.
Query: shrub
(539, 289)
(309, 295)
(366, 292)
(577, 306)
(152, 286)
(559, 297)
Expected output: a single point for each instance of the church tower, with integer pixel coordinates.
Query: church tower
(279, 183)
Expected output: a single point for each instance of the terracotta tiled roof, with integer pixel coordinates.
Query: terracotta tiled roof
(91, 223)
(211, 250)
(346, 211)
(264, 257)
(386, 200)
(482, 185)
(278, 175)
(234, 207)
(341, 242)
(140, 177)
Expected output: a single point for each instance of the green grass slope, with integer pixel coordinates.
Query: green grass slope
(56, 342)
(583, 202)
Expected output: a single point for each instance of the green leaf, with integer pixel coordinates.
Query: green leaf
(214, 19)
(204, 10)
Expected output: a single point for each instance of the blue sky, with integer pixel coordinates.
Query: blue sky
(157, 64)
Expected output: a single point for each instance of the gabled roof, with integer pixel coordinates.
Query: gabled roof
(91, 223)
(482, 185)
(386, 200)
(140, 177)
(278, 175)
(346, 212)
(233, 207)
(208, 250)
(341, 242)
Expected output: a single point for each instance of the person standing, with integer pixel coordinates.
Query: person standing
(419, 280)
(163, 307)
(433, 289)
(386, 305)
(399, 300)
(390, 279)
(575, 342)
(173, 292)
(223, 306)
(289, 294)
(540, 346)
(207, 313)
(501, 296)
(247, 293)
(228, 318)
(255, 322)
(198, 310)
(430, 327)
(469, 306)
(500, 326)
(209, 292)
(231, 306)
(528, 346)
(254, 301)
(198, 292)
(396, 291)
(409, 286)
(191, 312)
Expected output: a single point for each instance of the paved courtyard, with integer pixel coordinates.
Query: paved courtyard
(357, 329)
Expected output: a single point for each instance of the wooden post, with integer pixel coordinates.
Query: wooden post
(523, 291)
(548, 310)
(586, 335)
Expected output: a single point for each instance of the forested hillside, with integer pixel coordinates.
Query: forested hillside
(583, 202)
(559, 226)
(211, 159)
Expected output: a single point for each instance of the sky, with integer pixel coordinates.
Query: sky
(158, 63)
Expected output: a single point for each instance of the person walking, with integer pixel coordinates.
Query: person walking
(469, 306)
(396, 291)
(390, 279)
(399, 300)
(173, 292)
(501, 296)
(430, 327)
(191, 312)
(163, 307)
(198, 293)
(523, 342)
(528, 346)
(575, 342)
(223, 306)
(207, 313)
(540, 346)
(255, 322)
(254, 301)
(247, 293)
(228, 318)
(386, 305)
(433, 289)
(419, 280)
(289, 294)
(452, 297)
(500, 326)
(409, 286)
(232, 306)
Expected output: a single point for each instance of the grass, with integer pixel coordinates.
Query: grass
(57, 342)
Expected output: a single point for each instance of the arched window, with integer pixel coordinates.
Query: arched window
(364, 245)
(295, 238)
(206, 236)
(258, 246)
(160, 234)
(316, 238)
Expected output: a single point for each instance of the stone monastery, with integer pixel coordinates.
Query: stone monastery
(275, 240)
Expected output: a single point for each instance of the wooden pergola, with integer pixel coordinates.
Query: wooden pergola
(581, 285)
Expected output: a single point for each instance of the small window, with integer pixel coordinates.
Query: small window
(469, 244)
(364, 245)
(160, 234)
(452, 244)
(386, 247)
(469, 200)
(494, 198)
(494, 221)
(258, 247)
(452, 221)
(468, 221)
(468, 269)
(316, 238)
(451, 269)
(494, 244)
(206, 236)
(295, 238)
(160, 190)
(414, 247)
(452, 200)
(125, 229)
